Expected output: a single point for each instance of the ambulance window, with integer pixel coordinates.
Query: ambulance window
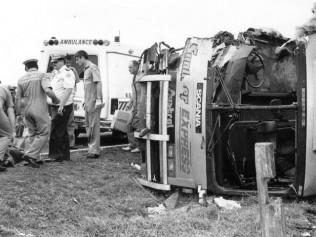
(92, 58)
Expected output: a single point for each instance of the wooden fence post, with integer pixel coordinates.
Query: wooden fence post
(272, 220)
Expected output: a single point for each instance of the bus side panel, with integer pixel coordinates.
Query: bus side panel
(310, 174)
(190, 115)
(198, 75)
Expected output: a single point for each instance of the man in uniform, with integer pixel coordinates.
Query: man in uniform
(93, 102)
(7, 123)
(63, 84)
(71, 121)
(32, 91)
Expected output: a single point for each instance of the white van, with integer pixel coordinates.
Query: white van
(112, 58)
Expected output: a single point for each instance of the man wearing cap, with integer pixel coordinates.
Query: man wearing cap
(93, 102)
(71, 121)
(32, 91)
(7, 122)
(63, 84)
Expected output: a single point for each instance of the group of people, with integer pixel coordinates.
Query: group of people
(45, 103)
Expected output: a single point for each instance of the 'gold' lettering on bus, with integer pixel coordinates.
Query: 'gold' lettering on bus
(185, 158)
(185, 71)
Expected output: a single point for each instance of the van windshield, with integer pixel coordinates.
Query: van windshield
(92, 58)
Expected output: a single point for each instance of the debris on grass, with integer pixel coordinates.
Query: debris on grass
(155, 211)
(226, 204)
(75, 200)
(305, 234)
(136, 166)
(25, 235)
(172, 200)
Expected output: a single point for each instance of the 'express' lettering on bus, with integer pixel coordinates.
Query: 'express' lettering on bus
(185, 156)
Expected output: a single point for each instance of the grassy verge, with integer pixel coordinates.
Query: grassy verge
(94, 198)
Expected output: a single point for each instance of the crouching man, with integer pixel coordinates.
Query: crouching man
(7, 123)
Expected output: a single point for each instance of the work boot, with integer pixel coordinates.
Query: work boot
(93, 156)
(135, 150)
(126, 148)
(39, 162)
(31, 161)
(143, 132)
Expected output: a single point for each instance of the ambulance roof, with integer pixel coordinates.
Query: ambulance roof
(90, 45)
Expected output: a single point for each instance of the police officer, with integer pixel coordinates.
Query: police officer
(93, 102)
(7, 123)
(63, 83)
(71, 122)
(32, 91)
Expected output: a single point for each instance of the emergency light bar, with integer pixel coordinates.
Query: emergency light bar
(53, 41)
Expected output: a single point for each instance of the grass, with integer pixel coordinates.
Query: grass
(94, 198)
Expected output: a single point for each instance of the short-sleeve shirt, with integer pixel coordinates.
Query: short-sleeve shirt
(31, 90)
(5, 103)
(91, 76)
(63, 79)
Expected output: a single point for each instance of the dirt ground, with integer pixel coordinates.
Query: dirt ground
(94, 198)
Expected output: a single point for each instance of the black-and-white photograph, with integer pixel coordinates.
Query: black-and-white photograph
(158, 118)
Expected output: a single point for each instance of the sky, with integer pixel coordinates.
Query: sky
(25, 25)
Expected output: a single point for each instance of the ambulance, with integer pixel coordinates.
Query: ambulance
(208, 108)
(112, 58)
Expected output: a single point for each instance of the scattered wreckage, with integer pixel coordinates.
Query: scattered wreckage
(216, 97)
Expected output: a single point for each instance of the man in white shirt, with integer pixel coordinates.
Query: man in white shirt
(63, 83)
(71, 122)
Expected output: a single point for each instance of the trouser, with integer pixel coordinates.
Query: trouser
(133, 142)
(93, 131)
(59, 140)
(71, 128)
(4, 144)
(38, 124)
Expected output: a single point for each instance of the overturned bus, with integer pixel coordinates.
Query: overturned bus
(208, 104)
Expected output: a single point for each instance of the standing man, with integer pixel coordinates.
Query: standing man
(71, 121)
(93, 102)
(7, 123)
(133, 143)
(33, 89)
(63, 84)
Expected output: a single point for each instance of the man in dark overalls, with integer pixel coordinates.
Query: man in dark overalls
(32, 91)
